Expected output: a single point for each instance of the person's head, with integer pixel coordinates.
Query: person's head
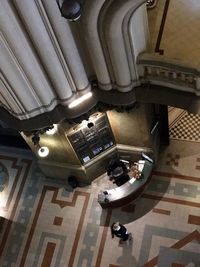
(116, 226)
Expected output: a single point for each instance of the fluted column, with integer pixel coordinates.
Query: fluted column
(113, 25)
(8, 98)
(90, 19)
(40, 36)
(136, 36)
(64, 43)
(20, 68)
(139, 30)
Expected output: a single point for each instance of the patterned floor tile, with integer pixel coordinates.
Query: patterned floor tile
(187, 128)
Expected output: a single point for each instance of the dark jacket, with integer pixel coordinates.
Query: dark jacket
(121, 233)
(113, 164)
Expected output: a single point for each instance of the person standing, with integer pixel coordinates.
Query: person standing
(120, 231)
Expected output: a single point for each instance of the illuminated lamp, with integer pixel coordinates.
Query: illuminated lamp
(53, 130)
(79, 100)
(43, 151)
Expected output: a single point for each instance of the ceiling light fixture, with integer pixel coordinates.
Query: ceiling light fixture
(70, 9)
(53, 130)
(43, 151)
(79, 100)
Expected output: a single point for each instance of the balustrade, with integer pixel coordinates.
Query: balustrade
(181, 77)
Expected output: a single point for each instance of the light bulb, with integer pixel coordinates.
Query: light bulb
(43, 151)
(53, 130)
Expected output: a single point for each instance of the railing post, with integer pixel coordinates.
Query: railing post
(174, 75)
(198, 83)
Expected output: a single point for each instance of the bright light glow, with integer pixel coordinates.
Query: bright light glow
(3, 201)
(43, 151)
(53, 130)
(84, 123)
(78, 101)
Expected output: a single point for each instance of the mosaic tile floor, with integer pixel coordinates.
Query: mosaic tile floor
(44, 223)
(187, 127)
(174, 115)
